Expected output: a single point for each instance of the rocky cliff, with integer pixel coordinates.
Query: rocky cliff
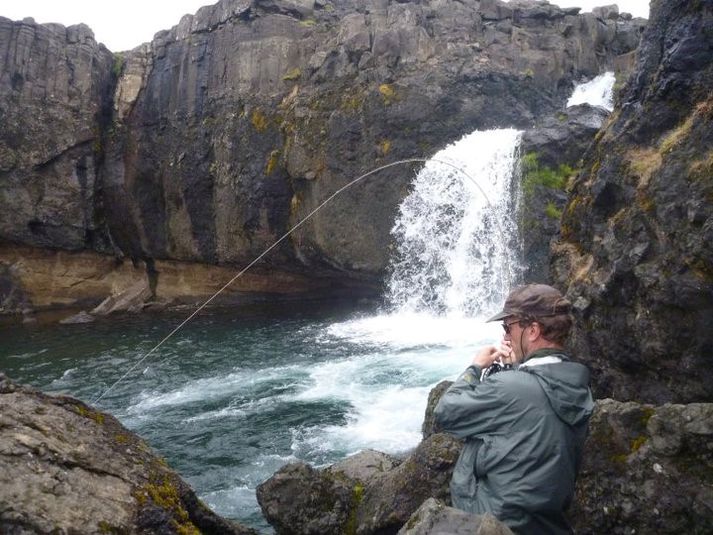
(635, 253)
(208, 143)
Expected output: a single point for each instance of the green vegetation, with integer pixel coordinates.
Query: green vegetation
(637, 443)
(308, 23)
(259, 120)
(352, 102)
(292, 74)
(388, 93)
(165, 495)
(118, 66)
(619, 81)
(272, 162)
(534, 174)
(552, 211)
(643, 163)
(358, 496)
(385, 147)
(105, 527)
(121, 438)
(98, 417)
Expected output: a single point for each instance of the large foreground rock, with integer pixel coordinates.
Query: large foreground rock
(67, 468)
(647, 469)
(369, 493)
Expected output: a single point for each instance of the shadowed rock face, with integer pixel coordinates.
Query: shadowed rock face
(54, 89)
(67, 468)
(552, 155)
(211, 141)
(635, 253)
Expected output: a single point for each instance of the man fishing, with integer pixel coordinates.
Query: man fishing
(524, 428)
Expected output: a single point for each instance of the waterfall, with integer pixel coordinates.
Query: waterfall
(598, 92)
(458, 253)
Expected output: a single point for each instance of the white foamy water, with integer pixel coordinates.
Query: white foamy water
(458, 254)
(456, 238)
(598, 92)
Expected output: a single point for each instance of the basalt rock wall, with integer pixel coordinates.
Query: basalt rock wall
(635, 253)
(208, 143)
(54, 85)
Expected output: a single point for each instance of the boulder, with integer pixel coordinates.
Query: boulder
(131, 299)
(301, 499)
(79, 317)
(434, 517)
(367, 493)
(610, 12)
(67, 468)
(646, 469)
(429, 426)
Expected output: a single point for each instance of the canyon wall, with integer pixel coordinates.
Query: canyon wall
(208, 143)
(635, 251)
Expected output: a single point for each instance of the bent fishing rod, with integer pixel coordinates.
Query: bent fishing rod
(284, 237)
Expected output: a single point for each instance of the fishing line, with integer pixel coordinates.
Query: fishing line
(282, 238)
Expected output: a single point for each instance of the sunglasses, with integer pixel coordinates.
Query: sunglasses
(506, 326)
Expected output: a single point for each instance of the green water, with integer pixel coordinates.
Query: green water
(239, 392)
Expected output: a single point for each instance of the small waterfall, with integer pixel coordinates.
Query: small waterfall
(457, 254)
(598, 92)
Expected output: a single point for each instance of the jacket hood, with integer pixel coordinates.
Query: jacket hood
(566, 385)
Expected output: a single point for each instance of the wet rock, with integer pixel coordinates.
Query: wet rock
(301, 499)
(434, 517)
(54, 86)
(80, 317)
(364, 465)
(429, 426)
(132, 299)
(66, 467)
(391, 498)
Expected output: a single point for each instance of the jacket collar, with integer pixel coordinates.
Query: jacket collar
(546, 355)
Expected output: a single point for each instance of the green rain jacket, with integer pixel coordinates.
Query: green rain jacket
(524, 431)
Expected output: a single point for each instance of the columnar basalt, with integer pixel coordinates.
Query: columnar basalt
(208, 143)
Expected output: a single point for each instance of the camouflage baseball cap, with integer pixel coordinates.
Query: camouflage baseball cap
(534, 300)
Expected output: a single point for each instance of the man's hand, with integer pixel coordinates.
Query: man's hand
(489, 354)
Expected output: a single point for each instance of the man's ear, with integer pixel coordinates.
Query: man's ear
(534, 331)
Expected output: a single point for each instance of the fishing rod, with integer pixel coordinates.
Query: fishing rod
(284, 237)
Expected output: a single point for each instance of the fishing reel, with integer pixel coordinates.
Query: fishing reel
(495, 367)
